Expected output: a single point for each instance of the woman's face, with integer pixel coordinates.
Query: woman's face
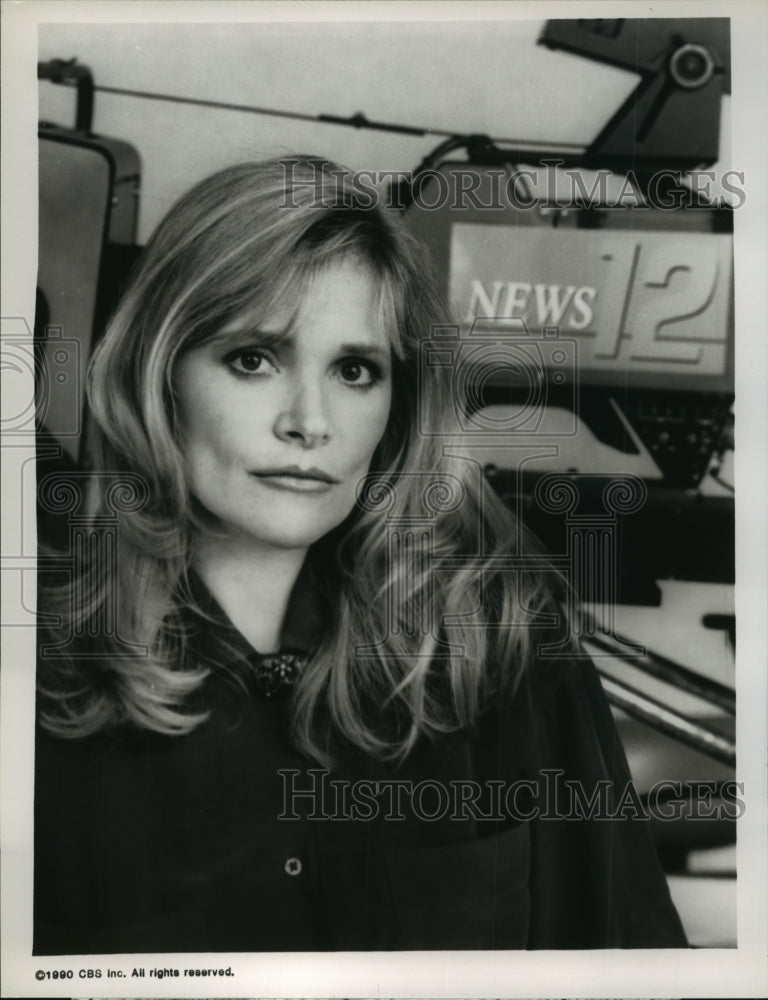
(278, 424)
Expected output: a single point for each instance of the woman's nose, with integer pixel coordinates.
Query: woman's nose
(303, 417)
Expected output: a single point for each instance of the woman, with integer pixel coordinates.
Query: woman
(299, 707)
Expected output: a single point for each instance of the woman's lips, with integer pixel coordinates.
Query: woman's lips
(296, 479)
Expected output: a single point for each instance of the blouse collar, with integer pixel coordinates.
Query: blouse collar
(303, 625)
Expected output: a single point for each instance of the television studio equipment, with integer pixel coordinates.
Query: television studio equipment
(593, 344)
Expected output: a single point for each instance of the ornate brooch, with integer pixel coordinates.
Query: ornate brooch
(276, 674)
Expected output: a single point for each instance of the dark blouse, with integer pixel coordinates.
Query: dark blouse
(204, 842)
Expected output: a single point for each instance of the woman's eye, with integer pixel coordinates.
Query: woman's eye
(249, 362)
(358, 373)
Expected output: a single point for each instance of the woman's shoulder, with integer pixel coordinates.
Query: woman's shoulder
(551, 706)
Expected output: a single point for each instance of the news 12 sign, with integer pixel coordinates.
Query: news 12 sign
(635, 301)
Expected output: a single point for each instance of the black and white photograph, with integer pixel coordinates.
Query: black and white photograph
(384, 478)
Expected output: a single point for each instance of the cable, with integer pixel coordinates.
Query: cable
(357, 120)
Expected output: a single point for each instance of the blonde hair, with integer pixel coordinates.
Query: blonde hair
(404, 655)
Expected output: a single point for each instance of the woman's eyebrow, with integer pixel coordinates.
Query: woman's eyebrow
(252, 335)
(246, 335)
(373, 351)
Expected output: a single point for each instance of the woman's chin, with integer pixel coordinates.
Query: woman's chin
(295, 535)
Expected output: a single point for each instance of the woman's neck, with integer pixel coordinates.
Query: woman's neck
(252, 584)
